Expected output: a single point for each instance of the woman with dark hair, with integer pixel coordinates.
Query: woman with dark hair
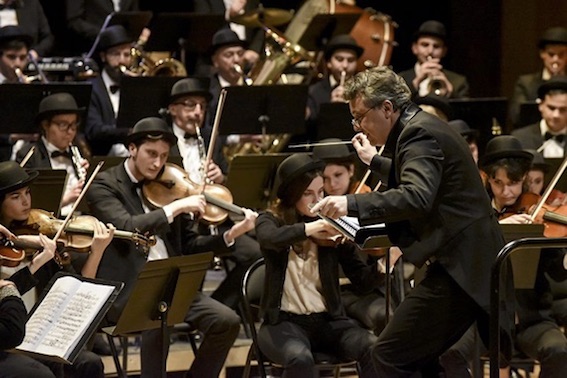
(301, 304)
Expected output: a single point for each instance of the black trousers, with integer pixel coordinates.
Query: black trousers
(433, 316)
(545, 342)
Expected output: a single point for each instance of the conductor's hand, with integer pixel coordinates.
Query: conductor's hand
(363, 148)
(331, 206)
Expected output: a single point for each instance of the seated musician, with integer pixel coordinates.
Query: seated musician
(14, 49)
(100, 126)
(549, 134)
(535, 178)
(429, 47)
(187, 108)
(470, 135)
(301, 303)
(115, 197)
(59, 119)
(14, 212)
(537, 334)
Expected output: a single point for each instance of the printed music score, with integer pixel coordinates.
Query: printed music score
(350, 227)
(60, 324)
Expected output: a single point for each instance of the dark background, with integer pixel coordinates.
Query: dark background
(490, 41)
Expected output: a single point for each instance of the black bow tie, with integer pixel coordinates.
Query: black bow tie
(57, 153)
(189, 136)
(114, 88)
(558, 138)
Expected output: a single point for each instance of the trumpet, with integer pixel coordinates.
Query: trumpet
(437, 86)
(26, 79)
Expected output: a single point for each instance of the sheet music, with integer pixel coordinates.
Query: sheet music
(57, 324)
(350, 225)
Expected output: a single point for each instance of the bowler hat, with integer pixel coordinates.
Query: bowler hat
(503, 146)
(13, 32)
(431, 28)
(439, 102)
(114, 35)
(14, 177)
(333, 152)
(190, 86)
(553, 36)
(293, 167)
(226, 37)
(58, 103)
(556, 82)
(342, 41)
(463, 128)
(151, 128)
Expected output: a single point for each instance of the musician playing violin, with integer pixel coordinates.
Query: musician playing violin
(14, 211)
(187, 108)
(59, 118)
(115, 196)
(301, 305)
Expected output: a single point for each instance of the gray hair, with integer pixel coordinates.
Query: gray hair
(376, 85)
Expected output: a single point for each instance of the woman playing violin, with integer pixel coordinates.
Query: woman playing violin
(15, 207)
(301, 304)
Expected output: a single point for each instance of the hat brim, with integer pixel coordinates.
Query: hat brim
(32, 175)
(206, 94)
(28, 40)
(549, 86)
(168, 137)
(357, 50)
(487, 159)
(49, 113)
(315, 165)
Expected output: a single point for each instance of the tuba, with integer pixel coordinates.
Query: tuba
(144, 65)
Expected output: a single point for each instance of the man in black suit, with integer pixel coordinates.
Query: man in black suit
(14, 48)
(100, 128)
(553, 54)
(429, 47)
(86, 17)
(435, 209)
(549, 134)
(115, 196)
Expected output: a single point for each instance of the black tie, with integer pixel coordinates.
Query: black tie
(57, 153)
(189, 136)
(114, 88)
(559, 138)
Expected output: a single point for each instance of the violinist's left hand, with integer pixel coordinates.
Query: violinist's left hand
(215, 174)
(331, 206)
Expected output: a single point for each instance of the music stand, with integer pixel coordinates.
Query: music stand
(48, 188)
(325, 26)
(161, 297)
(21, 103)
(524, 265)
(142, 97)
(133, 22)
(264, 109)
(529, 114)
(479, 113)
(251, 179)
(334, 121)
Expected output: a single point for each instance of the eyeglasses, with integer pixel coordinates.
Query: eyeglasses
(66, 126)
(358, 120)
(191, 105)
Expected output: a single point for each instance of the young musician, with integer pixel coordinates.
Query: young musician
(116, 197)
(301, 302)
(14, 49)
(14, 211)
(435, 209)
(59, 119)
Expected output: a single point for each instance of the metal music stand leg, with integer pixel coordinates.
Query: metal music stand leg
(388, 287)
(163, 309)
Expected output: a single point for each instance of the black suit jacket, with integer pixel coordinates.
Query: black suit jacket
(525, 90)
(100, 127)
(275, 239)
(40, 157)
(112, 198)
(33, 22)
(529, 136)
(460, 83)
(436, 205)
(319, 93)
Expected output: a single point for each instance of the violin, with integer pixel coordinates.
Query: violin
(173, 183)
(13, 252)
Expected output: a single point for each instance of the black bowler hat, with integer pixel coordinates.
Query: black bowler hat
(293, 167)
(431, 28)
(226, 37)
(439, 102)
(58, 103)
(463, 128)
(342, 41)
(503, 146)
(191, 86)
(13, 32)
(553, 36)
(151, 128)
(114, 35)
(556, 82)
(332, 153)
(14, 177)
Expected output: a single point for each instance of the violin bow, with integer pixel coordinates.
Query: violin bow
(367, 174)
(214, 134)
(549, 189)
(27, 157)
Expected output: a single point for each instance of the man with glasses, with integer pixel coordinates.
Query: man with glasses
(100, 128)
(58, 119)
(435, 209)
